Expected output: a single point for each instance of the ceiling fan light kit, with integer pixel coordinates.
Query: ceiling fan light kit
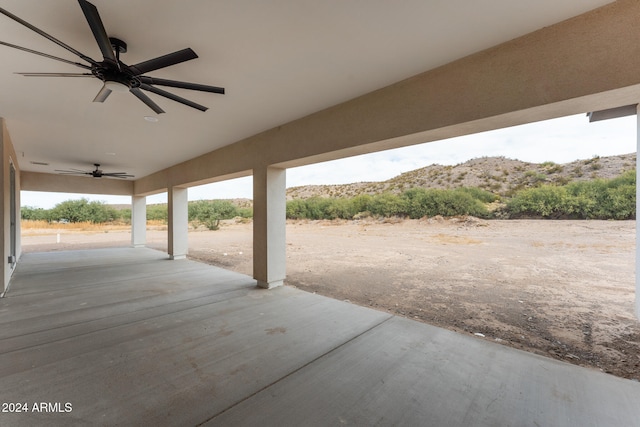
(115, 74)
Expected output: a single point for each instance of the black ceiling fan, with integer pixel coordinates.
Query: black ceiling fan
(96, 173)
(115, 74)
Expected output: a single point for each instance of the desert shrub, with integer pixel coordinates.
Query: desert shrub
(547, 201)
(157, 213)
(245, 212)
(312, 208)
(608, 198)
(124, 215)
(361, 203)
(340, 208)
(421, 202)
(535, 177)
(413, 203)
(34, 214)
(595, 199)
(388, 205)
(552, 167)
(83, 211)
(296, 209)
(210, 212)
(479, 194)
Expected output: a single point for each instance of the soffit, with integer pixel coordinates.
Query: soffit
(278, 60)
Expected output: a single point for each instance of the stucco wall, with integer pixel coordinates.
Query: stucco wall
(8, 157)
(34, 181)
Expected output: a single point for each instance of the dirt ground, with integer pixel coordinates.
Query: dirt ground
(562, 289)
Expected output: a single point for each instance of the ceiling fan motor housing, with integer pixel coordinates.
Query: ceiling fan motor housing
(107, 73)
(116, 73)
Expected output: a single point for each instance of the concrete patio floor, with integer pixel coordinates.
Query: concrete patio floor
(127, 337)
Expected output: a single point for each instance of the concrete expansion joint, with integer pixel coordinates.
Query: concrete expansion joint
(325, 354)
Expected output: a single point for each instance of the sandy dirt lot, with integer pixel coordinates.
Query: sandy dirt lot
(562, 289)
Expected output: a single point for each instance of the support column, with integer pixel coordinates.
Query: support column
(178, 223)
(269, 225)
(637, 211)
(138, 221)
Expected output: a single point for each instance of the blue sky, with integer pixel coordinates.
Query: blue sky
(559, 140)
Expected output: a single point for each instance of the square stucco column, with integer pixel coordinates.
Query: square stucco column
(178, 223)
(269, 225)
(138, 221)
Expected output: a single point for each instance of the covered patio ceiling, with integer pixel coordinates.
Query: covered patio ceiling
(278, 61)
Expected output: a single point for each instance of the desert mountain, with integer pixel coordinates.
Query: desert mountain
(499, 175)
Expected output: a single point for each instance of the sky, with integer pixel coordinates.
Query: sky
(559, 140)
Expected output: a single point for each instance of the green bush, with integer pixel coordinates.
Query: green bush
(413, 203)
(479, 194)
(124, 215)
(82, 210)
(157, 213)
(432, 202)
(595, 199)
(387, 205)
(210, 212)
(34, 214)
(547, 201)
(296, 209)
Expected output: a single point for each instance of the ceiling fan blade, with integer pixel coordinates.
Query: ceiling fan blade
(144, 98)
(47, 36)
(113, 175)
(182, 85)
(46, 55)
(56, 74)
(97, 28)
(163, 61)
(103, 94)
(74, 173)
(173, 97)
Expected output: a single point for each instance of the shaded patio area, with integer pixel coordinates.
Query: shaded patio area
(126, 337)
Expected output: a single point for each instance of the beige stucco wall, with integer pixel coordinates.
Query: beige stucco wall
(8, 157)
(34, 181)
(587, 63)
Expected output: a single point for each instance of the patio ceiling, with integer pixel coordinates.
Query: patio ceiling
(278, 61)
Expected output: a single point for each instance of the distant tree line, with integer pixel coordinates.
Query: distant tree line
(81, 210)
(413, 203)
(595, 199)
(205, 212)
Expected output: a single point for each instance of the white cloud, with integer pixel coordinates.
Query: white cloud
(560, 140)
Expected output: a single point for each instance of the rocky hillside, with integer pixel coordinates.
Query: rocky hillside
(496, 174)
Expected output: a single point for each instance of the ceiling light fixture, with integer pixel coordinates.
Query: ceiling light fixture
(151, 119)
